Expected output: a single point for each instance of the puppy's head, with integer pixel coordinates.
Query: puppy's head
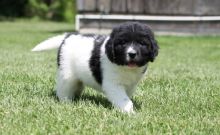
(131, 44)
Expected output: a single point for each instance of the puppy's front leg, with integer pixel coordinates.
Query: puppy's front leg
(116, 94)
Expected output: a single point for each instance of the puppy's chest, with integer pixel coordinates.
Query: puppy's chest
(127, 78)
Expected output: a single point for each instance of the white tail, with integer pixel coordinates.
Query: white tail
(49, 44)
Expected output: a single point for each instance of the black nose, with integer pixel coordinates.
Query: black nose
(132, 55)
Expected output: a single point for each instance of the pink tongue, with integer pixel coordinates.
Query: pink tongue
(131, 64)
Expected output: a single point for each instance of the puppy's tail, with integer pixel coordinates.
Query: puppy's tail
(51, 43)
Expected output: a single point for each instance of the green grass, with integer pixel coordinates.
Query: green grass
(180, 95)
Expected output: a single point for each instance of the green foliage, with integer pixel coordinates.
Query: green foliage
(180, 94)
(12, 8)
(59, 10)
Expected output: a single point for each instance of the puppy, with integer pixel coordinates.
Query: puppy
(111, 64)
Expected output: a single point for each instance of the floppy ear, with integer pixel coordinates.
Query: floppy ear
(154, 47)
(109, 49)
(110, 44)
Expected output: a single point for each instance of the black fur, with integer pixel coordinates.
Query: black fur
(134, 34)
(94, 62)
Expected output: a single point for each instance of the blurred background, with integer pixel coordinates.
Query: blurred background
(56, 10)
(99, 16)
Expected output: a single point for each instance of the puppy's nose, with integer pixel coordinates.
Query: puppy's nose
(132, 55)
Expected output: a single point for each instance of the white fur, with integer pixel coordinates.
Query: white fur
(118, 83)
(51, 43)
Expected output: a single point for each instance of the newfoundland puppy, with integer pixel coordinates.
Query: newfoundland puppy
(111, 64)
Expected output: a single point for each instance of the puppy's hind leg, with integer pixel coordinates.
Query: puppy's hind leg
(67, 86)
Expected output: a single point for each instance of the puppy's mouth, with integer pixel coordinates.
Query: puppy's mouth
(132, 64)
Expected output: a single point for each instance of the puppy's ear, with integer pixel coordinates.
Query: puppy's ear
(109, 49)
(154, 51)
(154, 47)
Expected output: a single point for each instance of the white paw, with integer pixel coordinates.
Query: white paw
(128, 108)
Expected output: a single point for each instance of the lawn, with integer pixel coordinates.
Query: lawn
(180, 94)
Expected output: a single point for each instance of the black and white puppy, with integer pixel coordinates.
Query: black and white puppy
(111, 64)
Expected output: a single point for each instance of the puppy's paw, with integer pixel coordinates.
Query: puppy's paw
(128, 108)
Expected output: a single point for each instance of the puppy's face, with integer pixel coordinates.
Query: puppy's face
(131, 44)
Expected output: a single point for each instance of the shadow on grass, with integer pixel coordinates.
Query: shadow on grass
(53, 95)
(137, 105)
(96, 99)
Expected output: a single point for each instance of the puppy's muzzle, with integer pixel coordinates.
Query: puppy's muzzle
(132, 55)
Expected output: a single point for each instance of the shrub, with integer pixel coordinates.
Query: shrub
(59, 10)
(12, 8)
